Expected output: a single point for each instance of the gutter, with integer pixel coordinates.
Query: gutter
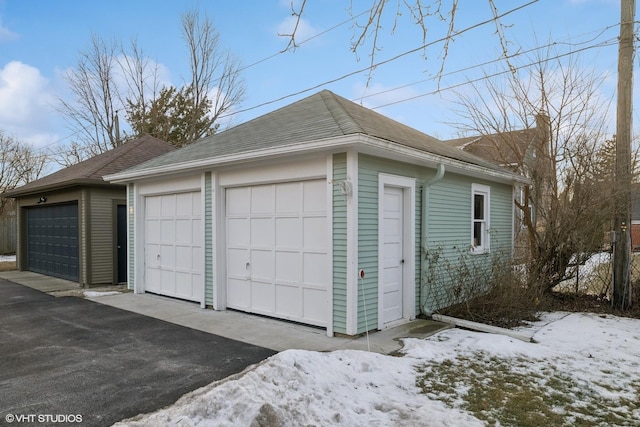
(425, 228)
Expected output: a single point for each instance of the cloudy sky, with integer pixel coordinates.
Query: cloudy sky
(40, 40)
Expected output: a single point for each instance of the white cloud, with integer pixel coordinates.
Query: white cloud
(6, 34)
(26, 102)
(304, 31)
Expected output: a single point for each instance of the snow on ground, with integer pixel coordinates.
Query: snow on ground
(594, 359)
(94, 294)
(7, 258)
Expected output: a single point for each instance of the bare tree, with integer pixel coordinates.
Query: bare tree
(570, 197)
(93, 82)
(109, 78)
(19, 165)
(423, 14)
(215, 74)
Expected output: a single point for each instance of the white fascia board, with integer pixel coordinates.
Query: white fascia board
(321, 144)
(400, 152)
(361, 142)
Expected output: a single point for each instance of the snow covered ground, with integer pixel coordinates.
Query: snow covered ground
(586, 365)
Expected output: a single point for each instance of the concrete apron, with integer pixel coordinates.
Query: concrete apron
(266, 332)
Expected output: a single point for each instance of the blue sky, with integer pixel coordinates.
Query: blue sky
(40, 39)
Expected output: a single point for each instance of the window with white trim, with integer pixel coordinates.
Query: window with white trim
(480, 203)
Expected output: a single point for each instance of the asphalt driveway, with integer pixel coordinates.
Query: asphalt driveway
(71, 356)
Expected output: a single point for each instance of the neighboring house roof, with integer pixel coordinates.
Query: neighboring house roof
(311, 123)
(506, 149)
(91, 171)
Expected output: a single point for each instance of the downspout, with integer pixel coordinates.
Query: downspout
(424, 230)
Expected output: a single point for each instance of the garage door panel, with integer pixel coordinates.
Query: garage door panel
(239, 291)
(288, 233)
(262, 264)
(262, 233)
(196, 232)
(184, 205)
(184, 258)
(262, 199)
(238, 232)
(315, 269)
(284, 229)
(314, 303)
(262, 296)
(168, 206)
(184, 231)
(237, 260)
(184, 288)
(315, 233)
(289, 298)
(312, 199)
(52, 240)
(288, 267)
(168, 281)
(288, 198)
(173, 249)
(167, 230)
(238, 201)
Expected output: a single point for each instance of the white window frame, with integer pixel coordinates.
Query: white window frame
(485, 245)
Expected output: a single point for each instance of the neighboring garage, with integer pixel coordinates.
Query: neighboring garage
(73, 225)
(174, 245)
(52, 240)
(277, 262)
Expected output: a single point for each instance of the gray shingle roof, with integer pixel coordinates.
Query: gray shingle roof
(506, 148)
(319, 116)
(91, 171)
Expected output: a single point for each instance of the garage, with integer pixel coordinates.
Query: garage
(277, 257)
(173, 246)
(52, 240)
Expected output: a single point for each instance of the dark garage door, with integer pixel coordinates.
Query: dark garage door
(52, 236)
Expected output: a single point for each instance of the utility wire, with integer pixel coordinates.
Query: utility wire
(386, 61)
(489, 76)
(483, 64)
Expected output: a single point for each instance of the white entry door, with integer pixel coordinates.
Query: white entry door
(392, 257)
(277, 261)
(173, 245)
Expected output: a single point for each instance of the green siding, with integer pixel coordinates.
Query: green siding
(208, 240)
(367, 247)
(102, 235)
(339, 246)
(449, 233)
(132, 254)
(369, 168)
(448, 227)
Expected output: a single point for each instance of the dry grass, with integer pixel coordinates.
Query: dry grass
(521, 392)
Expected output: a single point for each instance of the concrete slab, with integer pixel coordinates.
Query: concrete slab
(39, 281)
(262, 331)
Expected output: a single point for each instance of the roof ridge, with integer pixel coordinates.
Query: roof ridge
(328, 98)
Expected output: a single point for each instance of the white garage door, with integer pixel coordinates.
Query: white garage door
(173, 245)
(277, 262)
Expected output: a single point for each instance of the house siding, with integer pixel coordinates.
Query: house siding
(102, 205)
(448, 229)
(449, 234)
(369, 169)
(339, 246)
(208, 241)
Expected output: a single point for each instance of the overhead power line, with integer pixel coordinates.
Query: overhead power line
(386, 61)
(609, 42)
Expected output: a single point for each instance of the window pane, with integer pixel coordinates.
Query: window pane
(477, 234)
(478, 206)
